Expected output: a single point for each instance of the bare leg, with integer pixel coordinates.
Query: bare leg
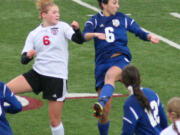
(55, 113)
(112, 75)
(19, 85)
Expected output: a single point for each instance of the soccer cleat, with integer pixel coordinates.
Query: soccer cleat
(97, 110)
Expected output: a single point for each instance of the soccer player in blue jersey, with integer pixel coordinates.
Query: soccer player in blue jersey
(14, 106)
(109, 29)
(143, 111)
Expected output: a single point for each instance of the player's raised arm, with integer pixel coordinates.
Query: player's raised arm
(77, 36)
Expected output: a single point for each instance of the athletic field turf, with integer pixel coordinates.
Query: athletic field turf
(159, 64)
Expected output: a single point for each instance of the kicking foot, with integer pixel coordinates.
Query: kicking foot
(97, 110)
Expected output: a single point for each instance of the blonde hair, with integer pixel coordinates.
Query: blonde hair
(173, 107)
(42, 5)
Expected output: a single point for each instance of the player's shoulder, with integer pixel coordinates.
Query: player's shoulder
(62, 24)
(120, 14)
(2, 84)
(167, 131)
(131, 100)
(36, 30)
(96, 16)
(148, 90)
(150, 94)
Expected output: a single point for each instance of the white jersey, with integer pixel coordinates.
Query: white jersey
(51, 45)
(169, 130)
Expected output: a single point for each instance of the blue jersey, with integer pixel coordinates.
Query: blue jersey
(115, 28)
(14, 106)
(139, 121)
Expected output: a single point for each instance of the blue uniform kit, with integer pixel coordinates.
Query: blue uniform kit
(14, 106)
(141, 122)
(115, 28)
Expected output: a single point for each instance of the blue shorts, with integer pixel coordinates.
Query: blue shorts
(101, 69)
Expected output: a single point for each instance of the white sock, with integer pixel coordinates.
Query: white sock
(59, 130)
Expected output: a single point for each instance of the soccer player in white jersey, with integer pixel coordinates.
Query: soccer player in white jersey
(143, 111)
(173, 110)
(48, 44)
(109, 30)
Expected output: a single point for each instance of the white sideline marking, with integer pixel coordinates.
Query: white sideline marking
(177, 15)
(171, 43)
(87, 5)
(89, 95)
(165, 40)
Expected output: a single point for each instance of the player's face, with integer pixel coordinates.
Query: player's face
(52, 16)
(111, 7)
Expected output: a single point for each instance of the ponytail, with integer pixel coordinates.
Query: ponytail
(143, 101)
(131, 77)
(42, 5)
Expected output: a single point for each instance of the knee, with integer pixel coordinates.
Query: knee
(54, 122)
(109, 77)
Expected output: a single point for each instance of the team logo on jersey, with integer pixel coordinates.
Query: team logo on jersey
(115, 22)
(54, 31)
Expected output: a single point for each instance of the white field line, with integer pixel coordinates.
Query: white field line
(165, 40)
(86, 5)
(177, 15)
(89, 95)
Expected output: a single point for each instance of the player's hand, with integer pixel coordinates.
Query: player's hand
(153, 39)
(101, 36)
(75, 25)
(30, 54)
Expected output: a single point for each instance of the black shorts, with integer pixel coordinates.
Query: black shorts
(52, 88)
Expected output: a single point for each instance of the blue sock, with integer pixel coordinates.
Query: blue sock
(103, 128)
(105, 94)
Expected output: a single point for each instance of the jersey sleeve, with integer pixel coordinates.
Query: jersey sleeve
(129, 120)
(90, 26)
(68, 30)
(28, 44)
(133, 27)
(14, 105)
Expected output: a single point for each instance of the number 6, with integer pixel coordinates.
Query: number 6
(46, 40)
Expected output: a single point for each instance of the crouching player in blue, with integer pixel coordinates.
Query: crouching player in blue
(143, 111)
(109, 29)
(14, 106)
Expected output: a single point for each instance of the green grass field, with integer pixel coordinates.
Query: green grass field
(159, 64)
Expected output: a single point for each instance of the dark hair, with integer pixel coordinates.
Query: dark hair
(131, 76)
(102, 1)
